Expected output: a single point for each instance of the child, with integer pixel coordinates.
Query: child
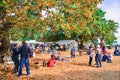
(52, 61)
(110, 57)
(80, 52)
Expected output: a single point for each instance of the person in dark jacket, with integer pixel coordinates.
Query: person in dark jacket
(73, 52)
(24, 58)
(15, 58)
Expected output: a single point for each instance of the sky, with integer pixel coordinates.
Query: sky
(111, 7)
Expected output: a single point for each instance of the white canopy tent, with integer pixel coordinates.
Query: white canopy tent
(68, 43)
(29, 42)
(34, 42)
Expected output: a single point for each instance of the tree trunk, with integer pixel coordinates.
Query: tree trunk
(4, 42)
(81, 46)
(4, 36)
(4, 47)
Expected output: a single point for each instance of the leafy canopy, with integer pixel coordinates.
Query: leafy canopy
(57, 19)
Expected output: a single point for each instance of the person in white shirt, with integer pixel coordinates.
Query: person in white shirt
(98, 56)
(91, 54)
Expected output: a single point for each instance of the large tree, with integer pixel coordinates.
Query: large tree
(100, 27)
(71, 15)
(97, 27)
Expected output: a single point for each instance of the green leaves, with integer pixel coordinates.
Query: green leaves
(74, 6)
(101, 27)
(80, 19)
(3, 3)
(32, 14)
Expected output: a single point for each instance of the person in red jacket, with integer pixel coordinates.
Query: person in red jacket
(52, 61)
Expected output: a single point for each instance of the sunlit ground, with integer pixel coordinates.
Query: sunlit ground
(77, 69)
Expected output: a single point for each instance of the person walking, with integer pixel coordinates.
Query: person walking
(24, 58)
(15, 58)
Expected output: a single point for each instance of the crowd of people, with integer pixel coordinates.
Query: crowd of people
(99, 52)
(101, 55)
(21, 54)
(25, 52)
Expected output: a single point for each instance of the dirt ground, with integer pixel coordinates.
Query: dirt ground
(77, 69)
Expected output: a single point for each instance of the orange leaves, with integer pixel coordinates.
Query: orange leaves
(49, 3)
(78, 4)
(88, 2)
(67, 2)
(8, 11)
(24, 1)
(16, 11)
(41, 6)
(69, 19)
(8, 1)
(43, 29)
(68, 26)
(63, 25)
(39, 15)
(87, 13)
(96, 1)
(27, 7)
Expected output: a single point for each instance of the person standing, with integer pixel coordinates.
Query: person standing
(91, 55)
(98, 58)
(24, 58)
(15, 58)
(73, 52)
(64, 47)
